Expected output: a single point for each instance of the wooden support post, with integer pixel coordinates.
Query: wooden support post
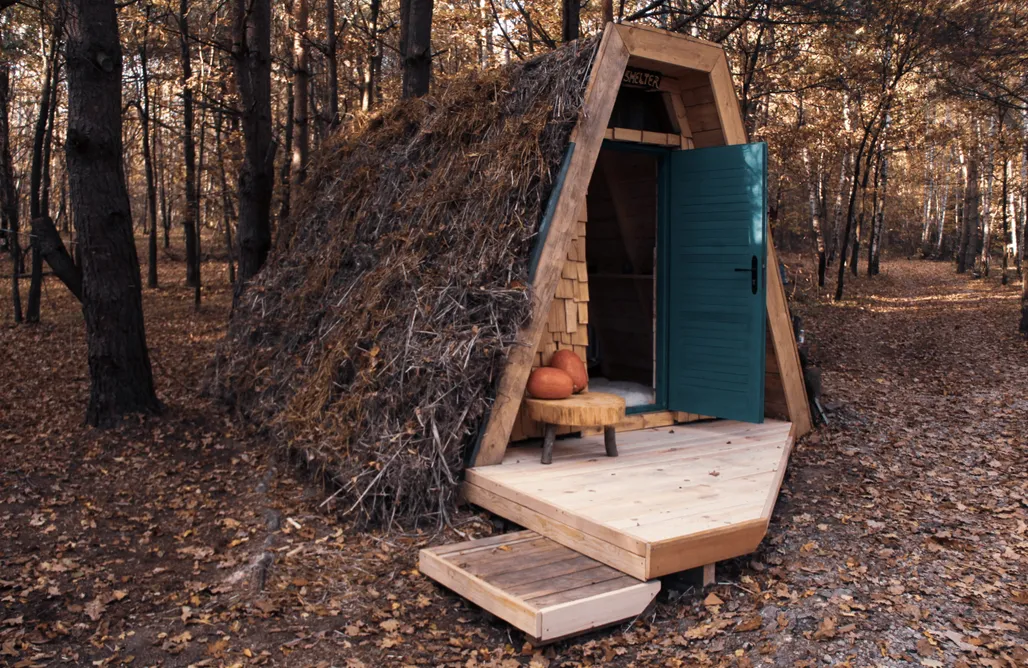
(549, 436)
(708, 575)
(610, 440)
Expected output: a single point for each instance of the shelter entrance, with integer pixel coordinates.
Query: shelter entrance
(623, 205)
(676, 255)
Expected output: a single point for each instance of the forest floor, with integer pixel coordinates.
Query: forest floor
(900, 537)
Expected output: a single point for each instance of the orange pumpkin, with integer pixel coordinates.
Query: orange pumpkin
(547, 383)
(571, 364)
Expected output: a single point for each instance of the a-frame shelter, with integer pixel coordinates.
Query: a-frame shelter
(655, 265)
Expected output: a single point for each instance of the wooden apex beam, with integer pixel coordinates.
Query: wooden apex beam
(783, 338)
(670, 48)
(601, 91)
(727, 103)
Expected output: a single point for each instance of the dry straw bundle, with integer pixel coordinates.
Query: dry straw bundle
(372, 340)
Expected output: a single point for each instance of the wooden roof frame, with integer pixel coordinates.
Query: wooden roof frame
(671, 54)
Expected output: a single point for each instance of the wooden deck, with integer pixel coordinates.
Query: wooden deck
(539, 586)
(676, 498)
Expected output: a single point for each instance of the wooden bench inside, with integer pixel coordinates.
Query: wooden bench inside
(588, 409)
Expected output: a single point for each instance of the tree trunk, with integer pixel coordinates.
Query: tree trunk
(1008, 243)
(569, 20)
(148, 166)
(285, 176)
(301, 90)
(191, 216)
(121, 380)
(942, 208)
(960, 210)
(332, 62)
(972, 198)
(990, 176)
(374, 59)
(838, 210)
(608, 11)
(874, 250)
(8, 192)
(847, 230)
(1022, 215)
(416, 32)
(53, 251)
(227, 210)
(40, 152)
(814, 200)
(252, 54)
(929, 193)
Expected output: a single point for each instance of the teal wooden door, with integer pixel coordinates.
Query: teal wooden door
(716, 257)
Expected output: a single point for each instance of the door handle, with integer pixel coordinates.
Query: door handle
(753, 273)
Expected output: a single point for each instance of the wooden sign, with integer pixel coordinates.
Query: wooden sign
(639, 78)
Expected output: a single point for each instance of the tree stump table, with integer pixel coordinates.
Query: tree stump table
(588, 409)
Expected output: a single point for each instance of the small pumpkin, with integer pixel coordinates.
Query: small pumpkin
(548, 383)
(571, 364)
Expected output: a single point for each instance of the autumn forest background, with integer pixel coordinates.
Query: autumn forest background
(898, 195)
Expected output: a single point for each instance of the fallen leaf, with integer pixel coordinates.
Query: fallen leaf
(826, 629)
(95, 609)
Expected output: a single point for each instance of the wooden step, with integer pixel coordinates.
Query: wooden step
(541, 587)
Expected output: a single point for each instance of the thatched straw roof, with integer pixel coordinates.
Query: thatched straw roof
(372, 340)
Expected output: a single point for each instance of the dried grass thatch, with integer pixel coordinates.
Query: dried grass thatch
(372, 340)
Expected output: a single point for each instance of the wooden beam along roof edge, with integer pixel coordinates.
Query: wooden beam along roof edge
(670, 48)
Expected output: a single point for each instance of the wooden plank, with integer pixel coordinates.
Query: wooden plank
(582, 271)
(579, 593)
(582, 577)
(714, 515)
(769, 506)
(575, 562)
(627, 134)
(784, 339)
(641, 509)
(708, 138)
(586, 453)
(698, 93)
(668, 95)
(645, 496)
(478, 544)
(670, 48)
(727, 103)
(601, 91)
(571, 315)
(658, 454)
(681, 116)
(585, 591)
(639, 421)
(487, 489)
(620, 558)
(562, 619)
(685, 552)
(703, 117)
(481, 593)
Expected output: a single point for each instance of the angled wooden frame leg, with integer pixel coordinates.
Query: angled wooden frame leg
(549, 436)
(610, 441)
